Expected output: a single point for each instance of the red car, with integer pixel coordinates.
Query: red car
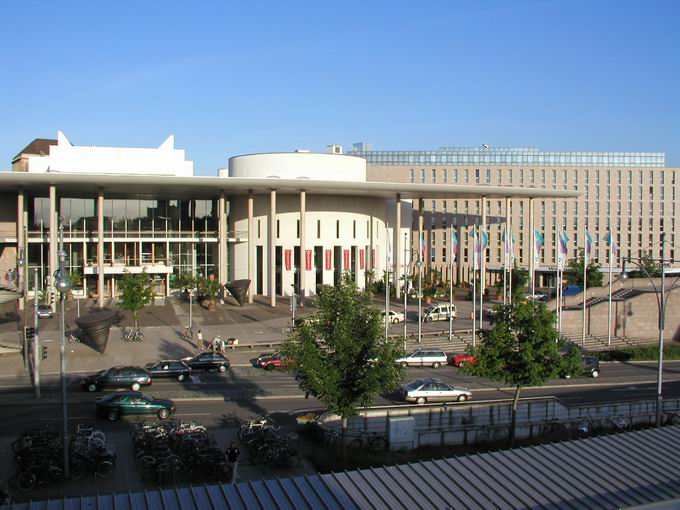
(271, 361)
(458, 360)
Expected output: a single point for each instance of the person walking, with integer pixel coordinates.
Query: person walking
(199, 340)
(233, 453)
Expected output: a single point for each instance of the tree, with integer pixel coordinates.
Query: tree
(210, 289)
(136, 291)
(648, 266)
(520, 279)
(574, 271)
(184, 282)
(521, 349)
(340, 353)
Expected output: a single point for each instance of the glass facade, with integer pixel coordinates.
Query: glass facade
(511, 156)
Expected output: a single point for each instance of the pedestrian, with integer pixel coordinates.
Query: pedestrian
(233, 453)
(199, 340)
(216, 343)
(222, 346)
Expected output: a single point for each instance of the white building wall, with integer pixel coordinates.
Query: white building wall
(298, 165)
(326, 209)
(67, 158)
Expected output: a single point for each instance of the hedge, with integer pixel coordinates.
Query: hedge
(645, 353)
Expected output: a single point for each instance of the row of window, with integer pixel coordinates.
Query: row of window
(533, 176)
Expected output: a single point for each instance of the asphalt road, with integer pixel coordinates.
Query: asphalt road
(210, 397)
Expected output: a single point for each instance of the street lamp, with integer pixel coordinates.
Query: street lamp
(62, 283)
(419, 265)
(661, 303)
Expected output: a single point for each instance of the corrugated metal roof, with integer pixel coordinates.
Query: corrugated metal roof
(637, 468)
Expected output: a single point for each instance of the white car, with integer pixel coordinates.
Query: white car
(422, 391)
(395, 317)
(433, 359)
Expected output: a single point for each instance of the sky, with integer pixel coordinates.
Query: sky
(229, 78)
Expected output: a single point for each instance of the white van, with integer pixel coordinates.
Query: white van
(440, 312)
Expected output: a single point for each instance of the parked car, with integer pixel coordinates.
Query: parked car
(419, 358)
(395, 317)
(133, 403)
(458, 360)
(440, 312)
(538, 296)
(271, 361)
(421, 391)
(45, 312)
(117, 377)
(208, 361)
(169, 369)
(590, 365)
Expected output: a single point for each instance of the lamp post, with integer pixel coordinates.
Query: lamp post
(661, 303)
(419, 265)
(62, 283)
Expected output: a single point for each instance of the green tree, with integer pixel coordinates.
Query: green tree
(210, 289)
(574, 271)
(648, 266)
(184, 282)
(520, 280)
(340, 353)
(136, 291)
(521, 349)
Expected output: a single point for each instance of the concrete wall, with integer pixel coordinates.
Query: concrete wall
(298, 165)
(635, 317)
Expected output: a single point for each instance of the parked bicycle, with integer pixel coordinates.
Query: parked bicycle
(89, 454)
(369, 440)
(74, 337)
(188, 333)
(132, 335)
(38, 458)
(266, 444)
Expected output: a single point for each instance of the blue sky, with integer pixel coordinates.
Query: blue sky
(230, 78)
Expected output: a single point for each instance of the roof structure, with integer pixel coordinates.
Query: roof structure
(208, 186)
(39, 146)
(615, 471)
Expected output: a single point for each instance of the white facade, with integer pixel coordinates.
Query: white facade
(342, 233)
(65, 157)
(298, 165)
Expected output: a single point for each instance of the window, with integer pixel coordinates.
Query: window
(466, 175)
(434, 175)
(488, 175)
(434, 206)
(337, 229)
(410, 175)
(432, 253)
(477, 175)
(354, 229)
(510, 175)
(532, 176)
(455, 175)
(318, 229)
(259, 232)
(422, 175)
(278, 229)
(297, 231)
(446, 176)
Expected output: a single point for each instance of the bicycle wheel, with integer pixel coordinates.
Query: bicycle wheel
(104, 469)
(55, 475)
(378, 443)
(356, 443)
(78, 469)
(26, 481)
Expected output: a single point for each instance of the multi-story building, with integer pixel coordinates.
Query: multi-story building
(284, 221)
(633, 194)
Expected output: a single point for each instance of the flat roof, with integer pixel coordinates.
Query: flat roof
(612, 471)
(199, 186)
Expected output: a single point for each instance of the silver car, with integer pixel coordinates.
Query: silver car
(422, 391)
(422, 358)
(45, 312)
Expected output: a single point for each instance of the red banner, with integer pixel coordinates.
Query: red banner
(345, 257)
(361, 259)
(308, 260)
(287, 254)
(372, 258)
(329, 260)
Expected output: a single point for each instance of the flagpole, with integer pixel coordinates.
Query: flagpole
(585, 285)
(511, 261)
(387, 280)
(406, 276)
(474, 285)
(482, 261)
(453, 258)
(505, 266)
(609, 307)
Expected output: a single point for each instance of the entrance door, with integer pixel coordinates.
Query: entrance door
(296, 270)
(318, 266)
(279, 264)
(258, 269)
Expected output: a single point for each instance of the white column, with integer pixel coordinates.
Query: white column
(53, 245)
(100, 248)
(272, 248)
(222, 232)
(303, 266)
(22, 267)
(251, 247)
(482, 264)
(397, 247)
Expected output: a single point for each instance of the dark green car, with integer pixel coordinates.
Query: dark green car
(133, 403)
